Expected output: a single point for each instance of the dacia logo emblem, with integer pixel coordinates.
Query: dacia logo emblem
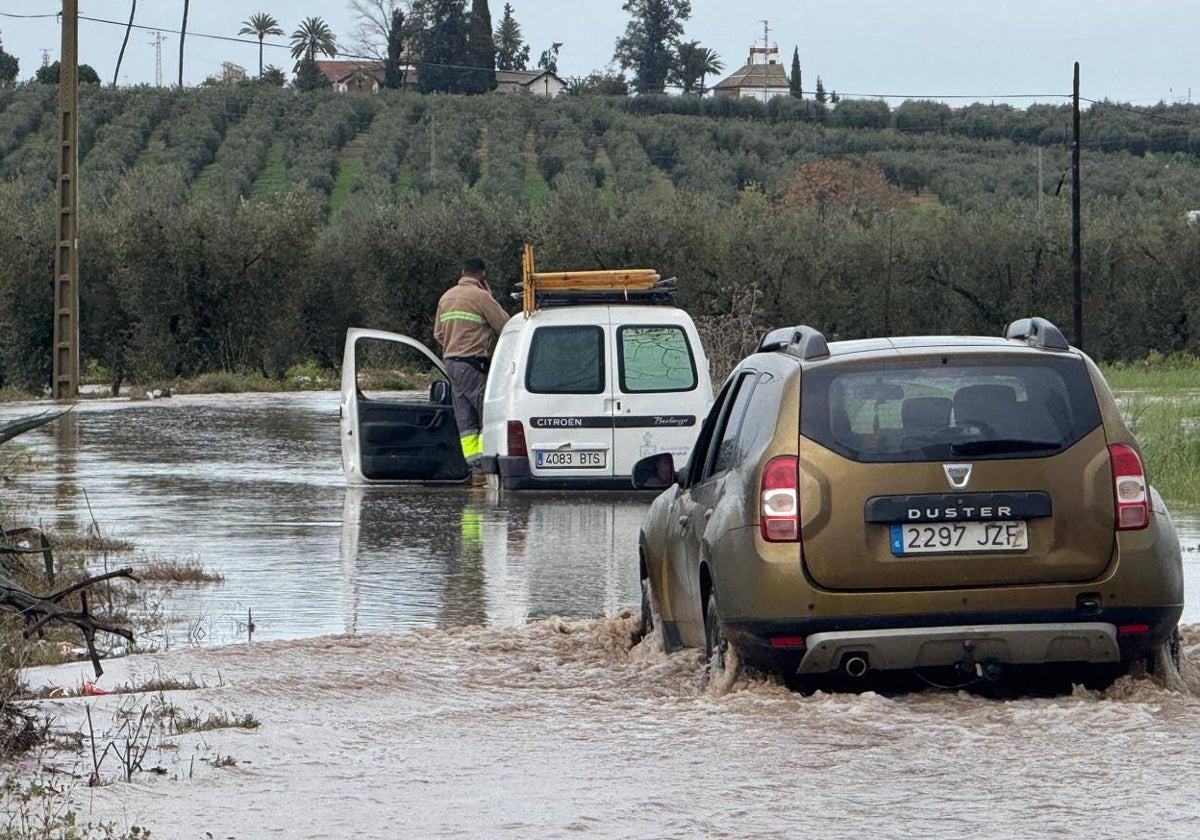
(959, 475)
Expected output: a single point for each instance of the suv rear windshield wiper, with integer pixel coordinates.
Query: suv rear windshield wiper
(998, 445)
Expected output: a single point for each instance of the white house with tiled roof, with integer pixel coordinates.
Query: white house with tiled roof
(353, 75)
(762, 77)
(539, 82)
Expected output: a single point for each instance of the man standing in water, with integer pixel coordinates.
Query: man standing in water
(467, 323)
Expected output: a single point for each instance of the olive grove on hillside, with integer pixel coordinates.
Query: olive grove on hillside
(244, 228)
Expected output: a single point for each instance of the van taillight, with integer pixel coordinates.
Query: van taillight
(779, 508)
(516, 438)
(1129, 488)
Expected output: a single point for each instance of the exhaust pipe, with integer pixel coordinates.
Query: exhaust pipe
(855, 665)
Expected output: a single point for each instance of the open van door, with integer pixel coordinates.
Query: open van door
(389, 434)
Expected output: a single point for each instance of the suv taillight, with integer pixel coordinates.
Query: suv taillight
(1129, 487)
(516, 439)
(779, 506)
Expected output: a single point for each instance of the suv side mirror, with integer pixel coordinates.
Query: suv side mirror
(655, 472)
(439, 392)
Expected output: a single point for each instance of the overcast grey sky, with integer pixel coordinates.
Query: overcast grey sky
(1138, 51)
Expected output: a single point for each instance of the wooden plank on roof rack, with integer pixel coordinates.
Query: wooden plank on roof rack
(627, 279)
(607, 276)
(596, 280)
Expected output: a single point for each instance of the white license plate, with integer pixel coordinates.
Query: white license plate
(567, 459)
(959, 537)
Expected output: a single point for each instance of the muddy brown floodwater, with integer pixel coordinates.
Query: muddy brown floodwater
(559, 729)
(449, 664)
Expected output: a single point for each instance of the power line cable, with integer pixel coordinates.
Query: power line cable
(191, 34)
(1150, 115)
(929, 96)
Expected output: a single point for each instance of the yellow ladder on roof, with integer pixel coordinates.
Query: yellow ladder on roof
(532, 282)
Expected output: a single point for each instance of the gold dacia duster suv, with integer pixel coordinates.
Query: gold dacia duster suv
(935, 505)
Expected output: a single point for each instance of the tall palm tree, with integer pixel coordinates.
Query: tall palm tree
(260, 25)
(182, 35)
(124, 42)
(313, 36)
(694, 63)
(709, 64)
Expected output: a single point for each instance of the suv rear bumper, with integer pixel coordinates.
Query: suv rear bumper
(917, 647)
(815, 646)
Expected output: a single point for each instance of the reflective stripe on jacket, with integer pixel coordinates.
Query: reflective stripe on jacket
(468, 319)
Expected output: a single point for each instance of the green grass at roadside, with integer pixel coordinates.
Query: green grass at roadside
(1167, 426)
(13, 395)
(1158, 397)
(229, 382)
(1156, 373)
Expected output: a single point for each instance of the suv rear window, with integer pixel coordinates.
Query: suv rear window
(566, 360)
(946, 408)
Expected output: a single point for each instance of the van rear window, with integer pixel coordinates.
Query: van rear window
(566, 360)
(655, 359)
(949, 408)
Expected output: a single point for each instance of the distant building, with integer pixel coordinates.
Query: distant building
(362, 75)
(231, 73)
(353, 75)
(762, 77)
(538, 82)
(368, 76)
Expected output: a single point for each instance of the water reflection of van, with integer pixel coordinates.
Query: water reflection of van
(432, 557)
(578, 393)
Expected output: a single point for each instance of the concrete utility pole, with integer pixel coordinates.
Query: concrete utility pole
(1076, 246)
(65, 382)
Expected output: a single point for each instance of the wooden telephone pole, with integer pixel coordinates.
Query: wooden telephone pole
(65, 382)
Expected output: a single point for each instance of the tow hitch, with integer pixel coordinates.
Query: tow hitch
(969, 666)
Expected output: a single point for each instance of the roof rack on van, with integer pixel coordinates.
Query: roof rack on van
(564, 288)
(1037, 332)
(802, 341)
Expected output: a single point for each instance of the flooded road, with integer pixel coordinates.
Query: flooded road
(453, 664)
(250, 486)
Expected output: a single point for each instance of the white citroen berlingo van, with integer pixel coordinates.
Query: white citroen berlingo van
(599, 370)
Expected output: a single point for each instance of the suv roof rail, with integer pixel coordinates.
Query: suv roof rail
(1037, 332)
(803, 342)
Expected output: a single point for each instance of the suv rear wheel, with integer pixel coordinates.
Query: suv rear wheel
(1163, 664)
(649, 618)
(721, 665)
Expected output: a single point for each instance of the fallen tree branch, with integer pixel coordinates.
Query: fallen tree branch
(40, 610)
